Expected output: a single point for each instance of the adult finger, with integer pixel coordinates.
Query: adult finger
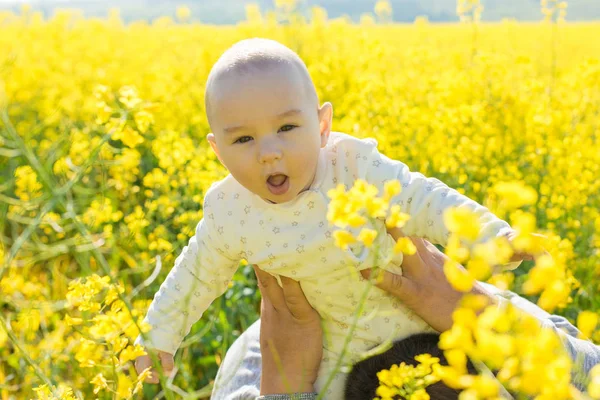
(269, 289)
(166, 361)
(295, 299)
(414, 262)
(396, 285)
(143, 362)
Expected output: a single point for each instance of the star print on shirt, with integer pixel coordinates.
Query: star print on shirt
(296, 213)
(247, 209)
(333, 162)
(276, 230)
(178, 287)
(220, 196)
(300, 249)
(376, 163)
(268, 244)
(294, 223)
(220, 230)
(311, 204)
(243, 239)
(328, 234)
(321, 224)
(236, 196)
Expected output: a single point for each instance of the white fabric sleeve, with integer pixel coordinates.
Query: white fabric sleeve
(201, 273)
(426, 199)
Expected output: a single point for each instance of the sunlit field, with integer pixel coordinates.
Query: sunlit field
(104, 166)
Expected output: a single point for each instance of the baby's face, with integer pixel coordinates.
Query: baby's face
(268, 131)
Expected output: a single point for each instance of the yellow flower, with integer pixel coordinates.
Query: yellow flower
(367, 236)
(99, 382)
(355, 220)
(130, 353)
(405, 245)
(478, 268)
(396, 219)
(462, 222)
(183, 13)
(27, 185)
(502, 281)
(515, 194)
(343, 239)
(594, 385)
(143, 120)
(129, 137)
(391, 189)
(72, 321)
(586, 323)
(124, 387)
(460, 279)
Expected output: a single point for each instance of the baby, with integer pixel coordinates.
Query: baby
(276, 141)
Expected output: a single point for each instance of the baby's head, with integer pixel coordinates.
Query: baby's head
(267, 125)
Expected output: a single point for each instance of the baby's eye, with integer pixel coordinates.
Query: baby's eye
(286, 128)
(243, 139)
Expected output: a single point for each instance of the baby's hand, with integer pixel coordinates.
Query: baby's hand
(145, 361)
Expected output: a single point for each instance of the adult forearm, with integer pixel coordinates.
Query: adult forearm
(293, 396)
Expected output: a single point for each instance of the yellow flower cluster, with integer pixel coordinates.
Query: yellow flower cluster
(361, 206)
(548, 278)
(106, 330)
(469, 10)
(104, 164)
(27, 185)
(554, 10)
(529, 359)
(408, 381)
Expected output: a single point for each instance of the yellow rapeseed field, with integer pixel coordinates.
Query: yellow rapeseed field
(104, 165)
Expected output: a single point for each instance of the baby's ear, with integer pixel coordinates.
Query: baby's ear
(213, 143)
(325, 120)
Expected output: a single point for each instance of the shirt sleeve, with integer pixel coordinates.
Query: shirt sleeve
(426, 199)
(201, 273)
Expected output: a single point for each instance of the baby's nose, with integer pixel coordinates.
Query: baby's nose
(269, 153)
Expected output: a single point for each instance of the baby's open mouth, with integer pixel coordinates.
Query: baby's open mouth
(278, 183)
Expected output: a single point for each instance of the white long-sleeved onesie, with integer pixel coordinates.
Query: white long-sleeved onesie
(294, 239)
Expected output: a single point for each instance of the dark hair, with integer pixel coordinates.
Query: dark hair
(362, 382)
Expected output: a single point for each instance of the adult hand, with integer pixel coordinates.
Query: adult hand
(166, 361)
(423, 286)
(291, 337)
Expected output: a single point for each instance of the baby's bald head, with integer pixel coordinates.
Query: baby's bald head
(252, 56)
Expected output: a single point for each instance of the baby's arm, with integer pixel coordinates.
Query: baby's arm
(426, 200)
(201, 274)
